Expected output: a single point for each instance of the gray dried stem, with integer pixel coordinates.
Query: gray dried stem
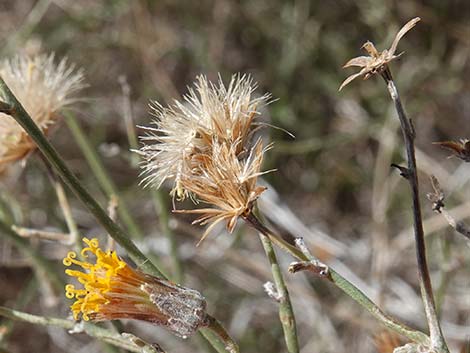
(73, 236)
(39, 262)
(411, 174)
(41, 234)
(312, 265)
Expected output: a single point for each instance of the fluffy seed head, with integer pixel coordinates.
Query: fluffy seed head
(209, 113)
(43, 88)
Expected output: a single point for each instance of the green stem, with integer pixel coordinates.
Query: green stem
(216, 333)
(286, 313)
(342, 283)
(90, 329)
(103, 178)
(161, 205)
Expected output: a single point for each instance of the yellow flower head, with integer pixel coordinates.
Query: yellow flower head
(113, 290)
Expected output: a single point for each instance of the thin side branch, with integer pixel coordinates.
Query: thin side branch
(73, 236)
(73, 327)
(41, 234)
(342, 283)
(313, 265)
(40, 263)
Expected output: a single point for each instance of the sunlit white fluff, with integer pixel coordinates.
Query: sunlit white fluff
(43, 87)
(208, 113)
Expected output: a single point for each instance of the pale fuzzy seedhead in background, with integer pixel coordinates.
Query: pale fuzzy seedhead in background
(209, 113)
(43, 88)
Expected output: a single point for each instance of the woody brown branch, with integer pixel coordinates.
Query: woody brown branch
(437, 339)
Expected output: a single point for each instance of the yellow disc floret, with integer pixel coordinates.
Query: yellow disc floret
(110, 290)
(104, 276)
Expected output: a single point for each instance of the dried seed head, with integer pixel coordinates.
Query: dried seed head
(113, 290)
(376, 62)
(43, 88)
(210, 113)
(221, 179)
(459, 149)
(204, 145)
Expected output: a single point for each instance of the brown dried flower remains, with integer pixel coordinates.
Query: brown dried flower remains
(205, 146)
(43, 88)
(226, 182)
(376, 62)
(460, 149)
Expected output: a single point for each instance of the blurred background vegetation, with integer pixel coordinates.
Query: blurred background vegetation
(334, 179)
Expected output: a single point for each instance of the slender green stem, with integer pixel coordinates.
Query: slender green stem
(90, 329)
(104, 180)
(161, 205)
(342, 283)
(216, 333)
(13, 107)
(10, 210)
(286, 313)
